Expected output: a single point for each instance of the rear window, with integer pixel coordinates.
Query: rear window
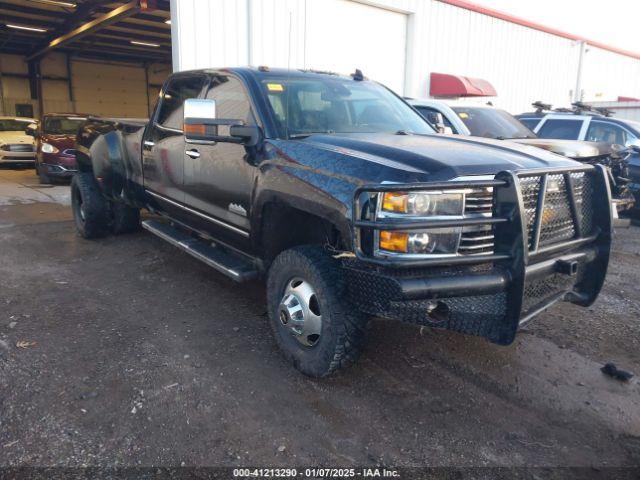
(530, 123)
(492, 123)
(62, 125)
(561, 128)
(13, 125)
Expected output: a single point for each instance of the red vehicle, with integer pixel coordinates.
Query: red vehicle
(55, 140)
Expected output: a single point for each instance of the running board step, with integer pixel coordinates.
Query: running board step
(230, 265)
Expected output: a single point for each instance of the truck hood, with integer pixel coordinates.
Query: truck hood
(439, 156)
(575, 149)
(15, 137)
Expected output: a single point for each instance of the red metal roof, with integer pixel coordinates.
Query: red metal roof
(536, 26)
(445, 85)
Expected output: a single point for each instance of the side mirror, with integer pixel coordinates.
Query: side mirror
(202, 126)
(439, 123)
(634, 145)
(31, 130)
(437, 120)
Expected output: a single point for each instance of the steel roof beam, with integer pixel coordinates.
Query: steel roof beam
(92, 26)
(32, 11)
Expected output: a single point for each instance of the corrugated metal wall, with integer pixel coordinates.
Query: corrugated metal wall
(608, 75)
(98, 88)
(626, 110)
(522, 63)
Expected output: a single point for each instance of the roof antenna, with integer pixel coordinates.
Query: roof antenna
(357, 76)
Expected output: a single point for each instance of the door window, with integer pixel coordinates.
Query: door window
(430, 115)
(178, 90)
(232, 101)
(607, 132)
(561, 128)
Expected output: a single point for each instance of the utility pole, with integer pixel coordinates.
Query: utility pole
(1, 91)
(577, 93)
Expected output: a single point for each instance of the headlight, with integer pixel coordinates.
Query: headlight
(422, 203)
(432, 241)
(48, 148)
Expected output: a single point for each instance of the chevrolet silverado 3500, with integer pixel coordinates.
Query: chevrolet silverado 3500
(337, 192)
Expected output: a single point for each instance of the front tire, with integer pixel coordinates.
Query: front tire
(90, 208)
(43, 178)
(314, 325)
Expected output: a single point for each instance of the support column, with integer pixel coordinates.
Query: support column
(2, 107)
(72, 99)
(146, 87)
(35, 85)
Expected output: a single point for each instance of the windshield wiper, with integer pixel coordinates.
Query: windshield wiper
(307, 134)
(404, 132)
(526, 137)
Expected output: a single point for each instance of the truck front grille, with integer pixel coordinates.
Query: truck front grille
(555, 215)
(477, 239)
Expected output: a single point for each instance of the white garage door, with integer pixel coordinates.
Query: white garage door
(343, 35)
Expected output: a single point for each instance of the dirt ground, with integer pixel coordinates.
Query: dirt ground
(125, 351)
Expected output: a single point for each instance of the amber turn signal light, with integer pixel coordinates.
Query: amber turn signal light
(394, 202)
(394, 241)
(194, 129)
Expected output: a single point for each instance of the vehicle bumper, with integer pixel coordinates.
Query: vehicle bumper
(58, 171)
(491, 295)
(7, 157)
(634, 188)
(634, 175)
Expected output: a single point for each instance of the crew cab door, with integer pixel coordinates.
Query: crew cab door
(219, 177)
(163, 146)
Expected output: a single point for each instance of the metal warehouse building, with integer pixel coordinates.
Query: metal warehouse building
(401, 43)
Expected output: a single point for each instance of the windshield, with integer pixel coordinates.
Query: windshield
(492, 123)
(302, 107)
(634, 125)
(13, 125)
(62, 125)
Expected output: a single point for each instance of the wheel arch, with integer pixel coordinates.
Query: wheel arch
(281, 223)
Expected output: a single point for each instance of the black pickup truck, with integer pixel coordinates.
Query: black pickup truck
(337, 192)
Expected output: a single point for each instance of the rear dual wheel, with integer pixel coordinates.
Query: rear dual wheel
(95, 216)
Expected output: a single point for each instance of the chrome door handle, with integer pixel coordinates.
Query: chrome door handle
(193, 153)
(148, 143)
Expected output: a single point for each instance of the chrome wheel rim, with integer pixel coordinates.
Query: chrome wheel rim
(299, 312)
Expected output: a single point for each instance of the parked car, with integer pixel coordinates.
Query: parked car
(55, 140)
(584, 123)
(490, 122)
(339, 194)
(15, 146)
